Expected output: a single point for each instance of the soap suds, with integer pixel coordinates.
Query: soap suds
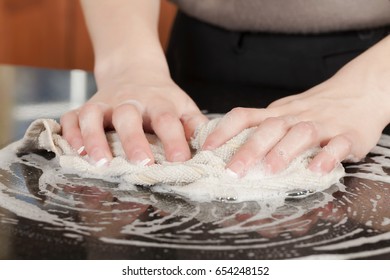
(202, 178)
(339, 218)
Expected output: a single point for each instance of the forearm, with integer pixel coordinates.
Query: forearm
(125, 38)
(370, 74)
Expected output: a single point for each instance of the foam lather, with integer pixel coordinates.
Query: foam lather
(203, 177)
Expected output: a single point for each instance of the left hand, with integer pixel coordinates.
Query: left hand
(345, 115)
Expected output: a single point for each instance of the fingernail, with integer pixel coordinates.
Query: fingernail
(81, 150)
(102, 162)
(143, 162)
(140, 158)
(208, 147)
(231, 173)
(237, 168)
(274, 165)
(317, 168)
(98, 158)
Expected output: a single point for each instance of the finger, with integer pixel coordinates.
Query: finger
(71, 131)
(127, 120)
(337, 149)
(232, 124)
(191, 122)
(170, 131)
(264, 138)
(93, 118)
(298, 139)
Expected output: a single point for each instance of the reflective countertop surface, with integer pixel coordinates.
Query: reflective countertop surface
(46, 215)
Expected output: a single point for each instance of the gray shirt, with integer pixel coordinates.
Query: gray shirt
(290, 16)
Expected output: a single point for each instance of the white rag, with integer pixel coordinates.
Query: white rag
(202, 177)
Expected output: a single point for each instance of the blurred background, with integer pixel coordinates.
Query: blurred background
(42, 42)
(52, 33)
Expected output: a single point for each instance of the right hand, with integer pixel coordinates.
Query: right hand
(133, 108)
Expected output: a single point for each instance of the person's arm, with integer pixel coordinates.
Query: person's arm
(345, 115)
(125, 38)
(135, 91)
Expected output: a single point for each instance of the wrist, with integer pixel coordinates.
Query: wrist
(369, 74)
(145, 67)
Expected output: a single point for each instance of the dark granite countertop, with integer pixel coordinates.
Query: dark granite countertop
(74, 218)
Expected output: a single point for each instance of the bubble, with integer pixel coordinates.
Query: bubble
(339, 220)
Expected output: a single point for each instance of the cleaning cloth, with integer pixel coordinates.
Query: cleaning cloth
(202, 177)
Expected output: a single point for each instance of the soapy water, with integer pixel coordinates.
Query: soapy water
(349, 220)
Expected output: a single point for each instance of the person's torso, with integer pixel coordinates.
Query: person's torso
(290, 16)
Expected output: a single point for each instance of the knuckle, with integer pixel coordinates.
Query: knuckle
(131, 105)
(116, 115)
(347, 143)
(88, 115)
(306, 128)
(65, 117)
(298, 104)
(345, 140)
(124, 109)
(90, 108)
(239, 112)
(277, 122)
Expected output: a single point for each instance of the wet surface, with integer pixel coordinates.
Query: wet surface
(45, 214)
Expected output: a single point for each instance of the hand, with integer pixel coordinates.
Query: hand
(135, 91)
(344, 115)
(132, 108)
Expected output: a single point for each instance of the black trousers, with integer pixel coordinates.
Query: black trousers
(222, 69)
